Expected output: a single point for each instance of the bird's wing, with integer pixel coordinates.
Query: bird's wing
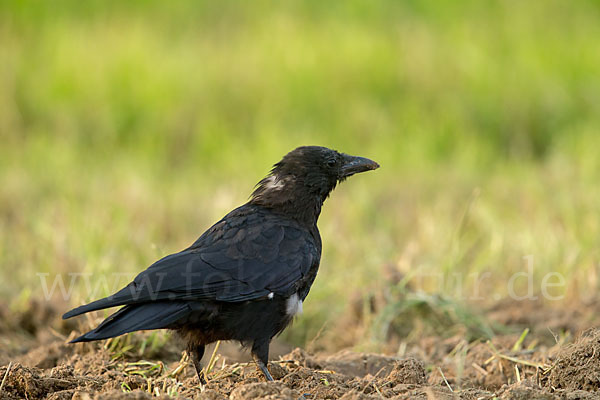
(245, 256)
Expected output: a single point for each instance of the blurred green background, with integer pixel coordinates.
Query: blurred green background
(128, 128)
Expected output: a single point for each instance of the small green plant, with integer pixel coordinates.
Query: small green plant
(414, 314)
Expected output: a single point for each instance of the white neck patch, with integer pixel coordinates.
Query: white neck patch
(272, 183)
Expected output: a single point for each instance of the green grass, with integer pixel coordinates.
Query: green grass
(127, 128)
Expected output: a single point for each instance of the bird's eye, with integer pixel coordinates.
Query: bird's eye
(331, 162)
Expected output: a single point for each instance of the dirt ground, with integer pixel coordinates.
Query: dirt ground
(557, 357)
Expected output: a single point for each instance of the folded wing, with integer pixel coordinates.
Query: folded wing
(247, 255)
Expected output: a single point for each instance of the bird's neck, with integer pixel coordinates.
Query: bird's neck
(290, 199)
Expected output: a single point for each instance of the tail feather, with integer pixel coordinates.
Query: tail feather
(96, 305)
(137, 317)
(122, 297)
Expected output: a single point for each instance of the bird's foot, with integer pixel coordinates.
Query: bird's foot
(264, 370)
(201, 377)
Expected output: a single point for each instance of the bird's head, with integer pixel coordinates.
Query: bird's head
(307, 175)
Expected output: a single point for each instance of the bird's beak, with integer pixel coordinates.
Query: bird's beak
(354, 165)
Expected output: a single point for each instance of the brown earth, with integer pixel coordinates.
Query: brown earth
(558, 359)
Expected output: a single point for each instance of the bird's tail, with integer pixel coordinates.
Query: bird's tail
(122, 297)
(136, 317)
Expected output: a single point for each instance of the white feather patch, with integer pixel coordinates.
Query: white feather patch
(272, 183)
(293, 305)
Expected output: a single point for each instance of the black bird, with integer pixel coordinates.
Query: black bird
(246, 277)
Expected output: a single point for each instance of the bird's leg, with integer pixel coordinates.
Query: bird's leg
(196, 353)
(260, 353)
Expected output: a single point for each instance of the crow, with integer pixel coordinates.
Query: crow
(246, 277)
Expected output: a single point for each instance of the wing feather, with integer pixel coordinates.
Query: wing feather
(245, 256)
